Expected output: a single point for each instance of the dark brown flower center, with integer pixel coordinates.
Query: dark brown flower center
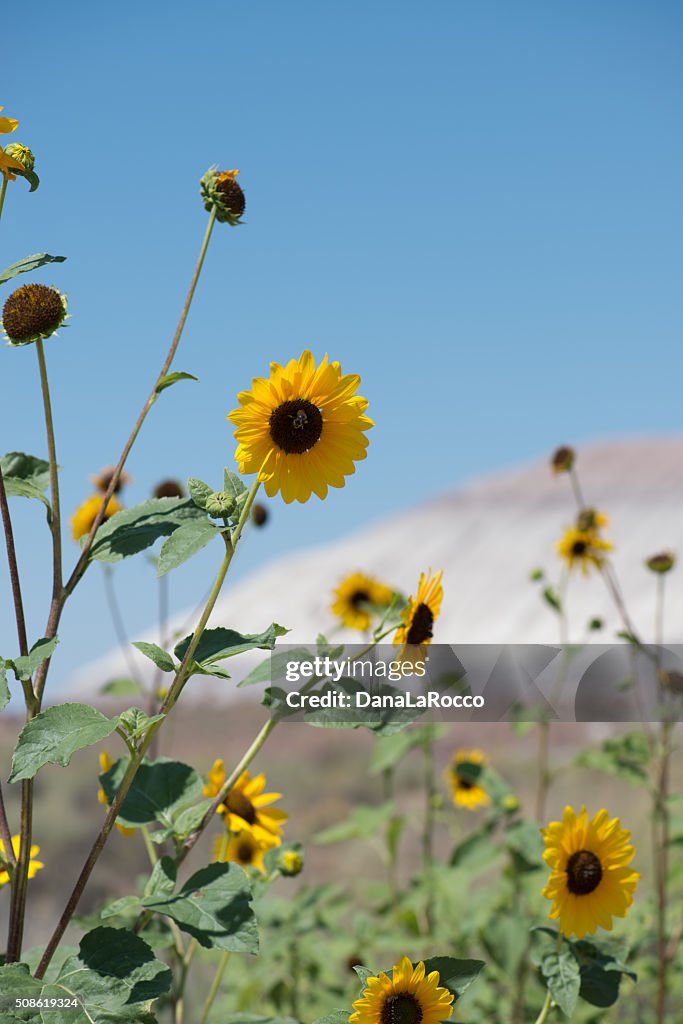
(463, 782)
(240, 805)
(296, 426)
(245, 852)
(421, 626)
(32, 310)
(579, 547)
(358, 598)
(584, 872)
(401, 1008)
(232, 195)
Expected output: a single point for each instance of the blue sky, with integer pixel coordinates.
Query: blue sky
(476, 206)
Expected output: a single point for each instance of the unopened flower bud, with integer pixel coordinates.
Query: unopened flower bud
(169, 489)
(563, 459)
(219, 505)
(259, 514)
(290, 863)
(21, 153)
(102, 479)
(662, 562)
(510, 803)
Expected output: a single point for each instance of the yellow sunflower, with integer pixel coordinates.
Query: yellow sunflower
(405, 998)
(33, 865)
(463, 776)
(84, 516)
(243, 849)
(582, 544)
(302, 429)
(590, 880)
(7, 163)
(353, 597)
(415, 635)
(245, 808)
(105, 765)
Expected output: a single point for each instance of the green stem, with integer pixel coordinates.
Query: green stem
(428, 829)
(55, 518)
(545, 1009)
(213, 991)
(3, 190)
(13, 567)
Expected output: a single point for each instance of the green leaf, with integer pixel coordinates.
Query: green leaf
(25, 666)
(275, 666)
(172, 378)
(523, 838)
(162, 659)
(625, 756)
(26, 476)
(135, 721)
(184, 543)
(552, 598)
(4, 688)
(216, 644)
(28, 264)
(199, 492)
(135, 529)
(362, 823)
(335, 1017)
(476, 849)
(256, 1018)
(601, 970)
(233, 485)
(389, 750)
(183, 822)
(163, 878)
(455, 975)
(122, 687)
(159, 790)
(214, 907)
(561, 972)
(53, 736)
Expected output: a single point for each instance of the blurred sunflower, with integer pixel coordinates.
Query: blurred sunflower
(105, 765)
(355, 597)
(84, 516)
(243, 849)
(302, 429)
(405, 998)
(590, 881)
(246, 806)
(582, 544)
(464, 777)
(33, 865)
(415, 635)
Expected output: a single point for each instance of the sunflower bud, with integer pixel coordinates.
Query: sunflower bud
(662, 562)
(290, 863)
(105, 476)
(219, 505)
(562, 459)
(31, 312)
(219, 189)
(259, 514)
(21, 153)
(510, 803)
(169, 489)
(589, 519)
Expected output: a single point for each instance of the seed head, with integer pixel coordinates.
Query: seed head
(31, 312)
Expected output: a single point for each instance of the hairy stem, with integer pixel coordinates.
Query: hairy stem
(13, 568)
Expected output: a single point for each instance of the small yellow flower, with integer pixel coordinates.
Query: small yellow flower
(291, 863)
(590, 879)
(84, 516)
(33, 865)
(582, 544)
(415, 635)
(463, 775)
(408, 997)
(353, 596)
(7, 163)
(242, 848)
(246, 806)
(105, 765)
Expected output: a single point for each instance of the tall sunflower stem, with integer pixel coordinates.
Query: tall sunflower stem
(428, 829)
(5, 832)
(215, 984)
(12, 564)
(3, 191)
(545, 1009)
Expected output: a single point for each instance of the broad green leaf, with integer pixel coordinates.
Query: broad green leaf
(25, 666)
(216, 644)
(163, 878)
(122, 687)
(135, 721)
(523, 838)
(120, 906)
(625, 756)
(53, 736)
(561, 972)
(214, 907)
(256, 1018)
(335, 1017)
(363, 973)
(362, 823)
(601, 970)
(199, 492)
(455, 975)
(233, 485)
(184, 543)
(162, 659)
(389, 750)
(173, 378)
(182, 823)
(114, 968)
(4, 688)
(476, 850)
(31, 469)
(28, 264)
(275, 667)
(135, 529)
(159, 790)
